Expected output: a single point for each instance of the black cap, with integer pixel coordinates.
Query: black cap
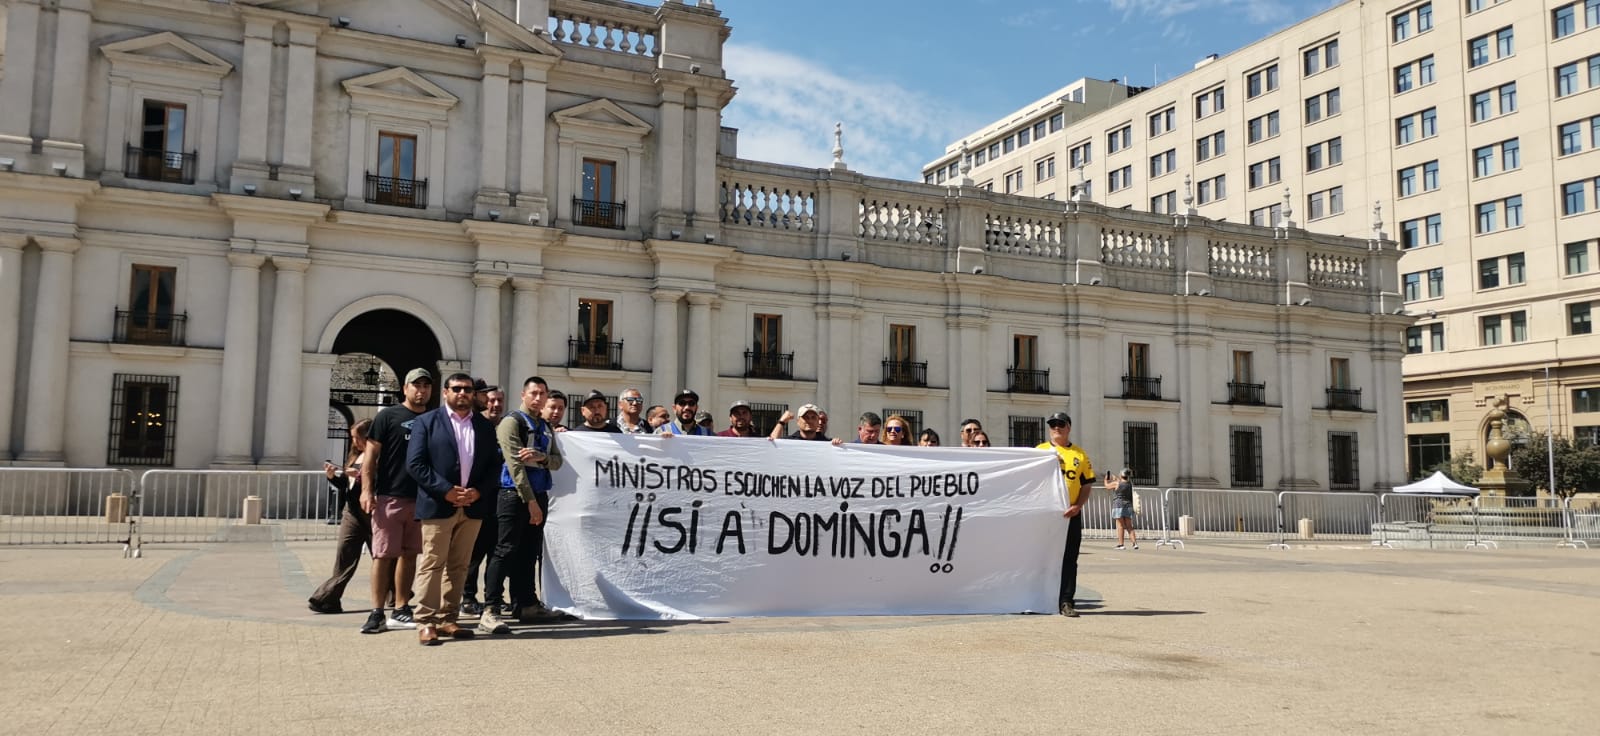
(1059, 416)
(593, 395)
(685, 394)
(480, 386)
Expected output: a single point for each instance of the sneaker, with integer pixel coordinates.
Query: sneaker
(402, 618)
(1068, 611)
(1119, 546)
(1135, 546)
(375, 623)
(471, 607)
(489, 622)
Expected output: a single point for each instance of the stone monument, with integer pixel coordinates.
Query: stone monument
(1500, 481)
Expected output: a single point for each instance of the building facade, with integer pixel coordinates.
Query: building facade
(1471, 127)
(215, 217)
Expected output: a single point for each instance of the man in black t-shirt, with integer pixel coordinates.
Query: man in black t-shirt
(389, 494)
(596, 415)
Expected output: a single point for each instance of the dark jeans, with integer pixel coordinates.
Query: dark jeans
(516, 551)
(1069, 559)
(355, 531)
(488, 536)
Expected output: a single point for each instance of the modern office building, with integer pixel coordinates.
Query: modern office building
(226, 226)
(1466, 130)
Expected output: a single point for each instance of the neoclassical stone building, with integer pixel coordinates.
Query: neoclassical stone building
(209, 210)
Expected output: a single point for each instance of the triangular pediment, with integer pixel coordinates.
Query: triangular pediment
(399, 84)
(603, 114)
(501, 30)
(166, 50)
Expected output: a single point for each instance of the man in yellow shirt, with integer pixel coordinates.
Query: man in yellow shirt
(1079, 476)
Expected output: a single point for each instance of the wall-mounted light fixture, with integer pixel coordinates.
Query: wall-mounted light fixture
(494, 215)
(295, 192)
(250, 189)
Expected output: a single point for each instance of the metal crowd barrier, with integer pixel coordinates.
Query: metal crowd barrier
(65, 505)
(1582, 527)
(1427, 518)
(1097, 522)
(1350, 516)
(208, 506)
(1210, 513)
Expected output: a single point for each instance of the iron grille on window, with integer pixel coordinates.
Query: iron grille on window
(604, 355)
(765, 417)
(905, 373)
(1139, 451)
(1344, 468)
(154, 164)
(768, 365)
(397, 192)
(596, 213)
(1028, 382)
(144, 420)
(913, 417)
(148, 328)
(1348, 399)
(1244, 453)
(1247, 393)
(1026, 431)
(575, 410)
(1141, 387)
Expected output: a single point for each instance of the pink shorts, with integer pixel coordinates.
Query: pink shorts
(395, 529)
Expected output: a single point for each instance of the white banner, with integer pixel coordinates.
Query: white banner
(647, 527)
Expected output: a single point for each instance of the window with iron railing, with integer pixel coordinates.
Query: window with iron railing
(1244, 457)
(602, 355)
(149, 319)
(913, 417)
(1140, 453)
(147, 328)
(765, 416)
(1344, 399)
(144, 420)
(905, 373)
(160, 156)
(1344, 468)
(595, 213)
(778, 366)
(1247, 393)
(1024, 381)
(396, 192)
(395, 184)
(1026, 431)
(1141, 387)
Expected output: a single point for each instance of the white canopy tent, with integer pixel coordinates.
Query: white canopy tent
(1437, 484)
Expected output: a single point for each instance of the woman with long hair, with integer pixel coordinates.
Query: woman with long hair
(896, 431)
(929, 438)
(355, 526)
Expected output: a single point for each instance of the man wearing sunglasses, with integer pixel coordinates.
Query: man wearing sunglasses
(630, 413)
(969, 427)
(684, 406)
(1079, 476)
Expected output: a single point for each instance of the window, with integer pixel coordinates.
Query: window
(1405, 130)
(1508, 98)
(1009, 144)
(1119, 139)
(1578, 319)
(1014, 182)
(1164, 204)
(1482, 106)
(1244, 456)
(1513, 206)
(144, 420)
(1411, 284)
(1567, 79)
(1504, 43)
(1415, 336)
(1163, 163)
(1318, 58)
(1564, 21)
(1436, 282)
(1261, 81)
(1044, 169)
(979, 157)
(1586, 400)
(1491, 330)
(1572, 198)
(150, 318)
(160, 155)
(1488, 273)
(1577, 258)
(593, 343)
(1212, 189)
(1024, 352)
(1325, 203)
(1087, 187)
(1266, 216)
(1038, 129)
(1431, 410)
(1591, 13)
(1263, 127)
(1483, 161)
(1424, 452)
(1421, 231)
(1265, 172)
(767, 336)
(1119, 179)
(1402, 26)
(1322, 106)
(1207, 103)
(1139, 452)
(1344, 472)
(1163, 121)
(1243, 366)
(1210, 146)
(902, 343)
(1516, 269)
(1138, 360)
(1056, 121)
(1510, 155)
(994, 151)
(1413, 74)
(1494, 324)
(1478, 51)
(1324, 154)
(1023, 137)
(1570, 137)
(1026, 431)
(1420, 178)
(1079, 155)
(1588, 436)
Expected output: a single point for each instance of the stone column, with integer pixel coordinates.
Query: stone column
(669, 165)
(236, 435)
(299, 96)
(1194, 388)
(1089, 393)
(285, 368)
(524, 336)
(1299, 385)
(10, 329)
(71, 69)
(44, 428)
(316, 384)
(708, 127)
(699, 369)
(16, 87)
(255, 91)
(966, 335)
(532, 194)
(486, 327)
(664, 362)
(492, 119)
(1388, 391)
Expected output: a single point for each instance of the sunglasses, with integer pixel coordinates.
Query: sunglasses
(688, 403)
(983, 443)
(458, 389)
(895, 430)
(1058, 425)
(968, 430)
(633, 399)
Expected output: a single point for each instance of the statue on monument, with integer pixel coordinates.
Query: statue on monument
(1500, 479)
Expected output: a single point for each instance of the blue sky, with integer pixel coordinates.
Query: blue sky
(906, 77)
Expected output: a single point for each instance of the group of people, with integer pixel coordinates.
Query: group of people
(440, 496)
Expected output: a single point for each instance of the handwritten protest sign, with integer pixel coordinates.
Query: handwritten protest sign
(688, 527)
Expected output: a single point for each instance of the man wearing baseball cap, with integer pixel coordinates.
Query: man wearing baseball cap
(389, 495)
(684, 406)
(596, 415)
(740, 421)
(1079, 476)
(809, 419)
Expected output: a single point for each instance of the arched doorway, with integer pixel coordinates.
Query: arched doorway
(376, 349)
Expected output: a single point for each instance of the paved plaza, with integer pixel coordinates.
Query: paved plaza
(1218, 638)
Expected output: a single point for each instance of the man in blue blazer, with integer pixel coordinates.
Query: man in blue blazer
(455, 460)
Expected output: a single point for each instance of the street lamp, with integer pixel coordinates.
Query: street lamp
(1549, 432)
(370, 375)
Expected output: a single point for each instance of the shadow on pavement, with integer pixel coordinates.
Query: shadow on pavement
(1140, 612)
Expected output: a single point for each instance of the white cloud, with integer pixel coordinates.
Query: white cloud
(1259, 12)
(787, 105)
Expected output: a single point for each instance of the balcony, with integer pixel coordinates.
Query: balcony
(394, 192)
(1023, 381)
(145, 328)
(905, 373)
(154, 164)
(1141, 387)
(1344, 399)
(595, 213)
(603, 355)
(778, 366)
(1254, 394)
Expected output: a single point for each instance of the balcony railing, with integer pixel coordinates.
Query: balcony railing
(602, 355)
(397, 192)
(154, 164)
(595, 213)
(768, 365)
(1347, 399)
(905, 373)
(1247, 393)
(147, 328)
(1024, 381)
(1141, 387)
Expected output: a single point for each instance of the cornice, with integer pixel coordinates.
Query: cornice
(244, 207)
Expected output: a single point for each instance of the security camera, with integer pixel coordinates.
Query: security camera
(1432, 314)
(296, 192)
(977, 270)
(461, 40)
(342, 21)
(535, 218)
(8, 163)
(1304, 301)
(1094, 281)
(694, 68)
(494, 215)
(710, 238)
(844, 256)
(675, 234)
(250, 189)
(60, 168)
